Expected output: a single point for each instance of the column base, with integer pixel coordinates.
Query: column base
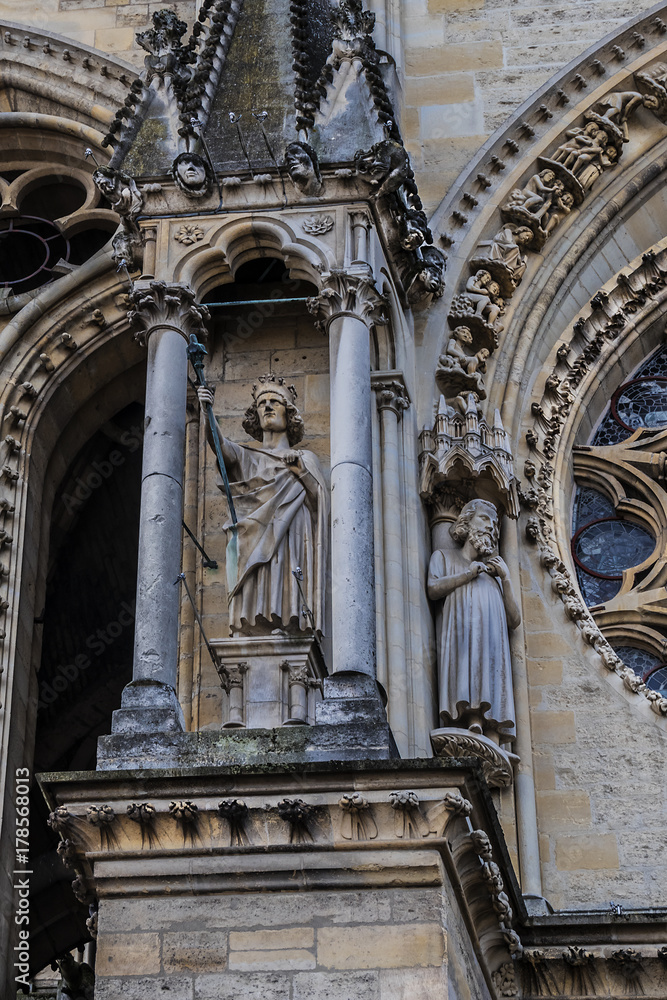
(351, 696)
(148, 707)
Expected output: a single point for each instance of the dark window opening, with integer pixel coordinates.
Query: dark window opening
(53, 199)
(261, 279)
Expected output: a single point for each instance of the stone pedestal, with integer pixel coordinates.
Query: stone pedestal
(312, 881)
(269, 681)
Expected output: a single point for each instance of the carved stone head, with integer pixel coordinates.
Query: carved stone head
(433, 272)
(192, 175)
(479, 523)
(303, 168)
(274, 386)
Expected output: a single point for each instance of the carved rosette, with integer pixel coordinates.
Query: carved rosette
(156, 305)
(345, 294)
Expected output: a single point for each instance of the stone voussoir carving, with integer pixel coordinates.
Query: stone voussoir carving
(459, 371)
(479, 307)
(501, 257)
(594, 335)
(559, 183)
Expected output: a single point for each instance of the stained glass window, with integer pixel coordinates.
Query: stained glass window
(648, 666)
(639, 402)
(604, 545)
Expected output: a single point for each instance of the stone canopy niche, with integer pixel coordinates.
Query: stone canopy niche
(272, 640)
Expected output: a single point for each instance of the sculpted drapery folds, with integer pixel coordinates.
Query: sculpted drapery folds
(477, 607)
(281, 502)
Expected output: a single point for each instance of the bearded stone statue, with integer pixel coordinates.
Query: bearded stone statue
(476, 605)
(281, 502)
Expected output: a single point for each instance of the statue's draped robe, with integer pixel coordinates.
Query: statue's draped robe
(280, 527)
(474, 665)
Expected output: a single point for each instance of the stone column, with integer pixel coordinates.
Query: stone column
(392, 400)
(164, 316)
(346, 307)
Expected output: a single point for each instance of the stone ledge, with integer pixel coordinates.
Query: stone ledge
(292, 745)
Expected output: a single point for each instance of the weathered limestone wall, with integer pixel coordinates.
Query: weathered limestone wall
(599, 759)
(469, 64)
(384, 944)
(108, 25)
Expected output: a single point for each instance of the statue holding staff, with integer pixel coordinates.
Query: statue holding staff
(281, 502)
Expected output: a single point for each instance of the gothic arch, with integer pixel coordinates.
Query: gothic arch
(48, 74)
(231, 242)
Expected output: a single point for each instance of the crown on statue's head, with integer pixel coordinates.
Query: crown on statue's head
(273, 383)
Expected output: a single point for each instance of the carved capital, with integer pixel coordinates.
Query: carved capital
(390, 394)
(233, 676)
(156, 305)
(345, 294)
(296, 675)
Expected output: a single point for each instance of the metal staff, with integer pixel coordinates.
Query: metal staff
(196, 354)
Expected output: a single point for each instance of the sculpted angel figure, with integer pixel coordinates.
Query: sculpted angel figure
(484, 293)
(281, 502)
(535, 198)
(476, 606)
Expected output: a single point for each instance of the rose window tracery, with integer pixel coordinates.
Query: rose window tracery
(604, 545)
(52, 219)
(619, 521)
